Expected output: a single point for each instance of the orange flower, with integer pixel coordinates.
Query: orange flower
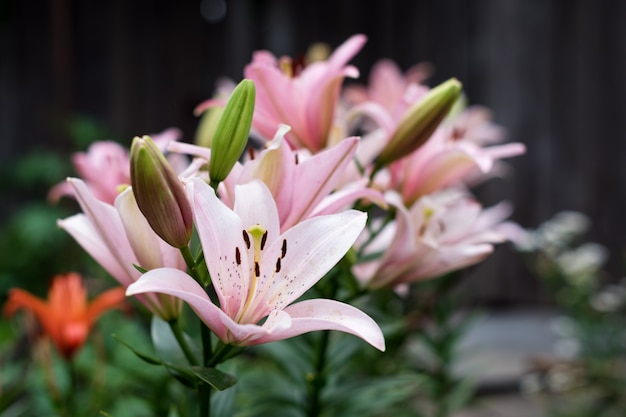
(66, 316)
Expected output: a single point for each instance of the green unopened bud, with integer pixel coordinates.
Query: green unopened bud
(207, 126)
(232, 131)
(420, 121)
(159, 193)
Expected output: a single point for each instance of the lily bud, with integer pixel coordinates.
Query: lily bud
(420, 121)
(159, 193)
(207, 126)
(232, 131)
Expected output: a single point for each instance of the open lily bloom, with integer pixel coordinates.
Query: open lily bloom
(302, 185)
(105, 167)
(119, 237)
(258, 272)
(305, 101)
(66, 316)
(440, 233)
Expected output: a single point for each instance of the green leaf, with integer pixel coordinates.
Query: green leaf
(170, 352)
(223, 402)
(143, 356)
(292, 356)
(369, 396)
(461, 395)
(167, 346)
(215, 378)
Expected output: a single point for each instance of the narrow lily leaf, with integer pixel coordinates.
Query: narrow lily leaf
(215, 378)
(182, 374)
(147, 358)
(170, 351)
(372, 396)
(167, 346)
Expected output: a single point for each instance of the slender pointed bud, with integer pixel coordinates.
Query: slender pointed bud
(207, 126)
(420, 121)
(232, 131)
(159, 193)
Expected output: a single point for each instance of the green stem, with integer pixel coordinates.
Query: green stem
(318, 379)
(182, 342)
(189, 261)
(204, 395)
(69, 403)
(207, 350)
(221, 353)
(204, 390)
(214, 185)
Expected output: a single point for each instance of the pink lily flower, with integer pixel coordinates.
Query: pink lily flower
(105, 168)
(119, 237)
(463, 150)
(305, 101)
(302, 185)
(387, 84)
(466, 148)
(453, 155)
(258, 272)
(440, 233)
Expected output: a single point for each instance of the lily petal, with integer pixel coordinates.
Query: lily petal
(220, 231)
(140, 235)
(177, 283)
(255, 205)
(322, 314)
(313, 247)
(322, 173)
(106, 221)
(85, 233)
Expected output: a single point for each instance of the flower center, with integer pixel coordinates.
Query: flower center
(292, 67)
(255, 238)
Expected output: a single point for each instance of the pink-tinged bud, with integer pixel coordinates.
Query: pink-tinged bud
(232, 131)
(420, 121)
(159, 193)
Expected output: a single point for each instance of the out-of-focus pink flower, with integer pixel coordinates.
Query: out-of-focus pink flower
(387, 84)
(118, 238)
(258, 272)
(455, 154)
(466, 147)
(66, 316)
(440, 233)
(302, 185)
(306, 100)
(105, 167)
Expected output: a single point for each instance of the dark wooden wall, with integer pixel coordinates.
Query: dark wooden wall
(552, 71)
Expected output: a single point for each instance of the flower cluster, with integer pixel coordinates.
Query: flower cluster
(369, 181)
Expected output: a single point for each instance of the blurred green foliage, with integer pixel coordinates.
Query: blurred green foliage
(33, 248)
(588, 376)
